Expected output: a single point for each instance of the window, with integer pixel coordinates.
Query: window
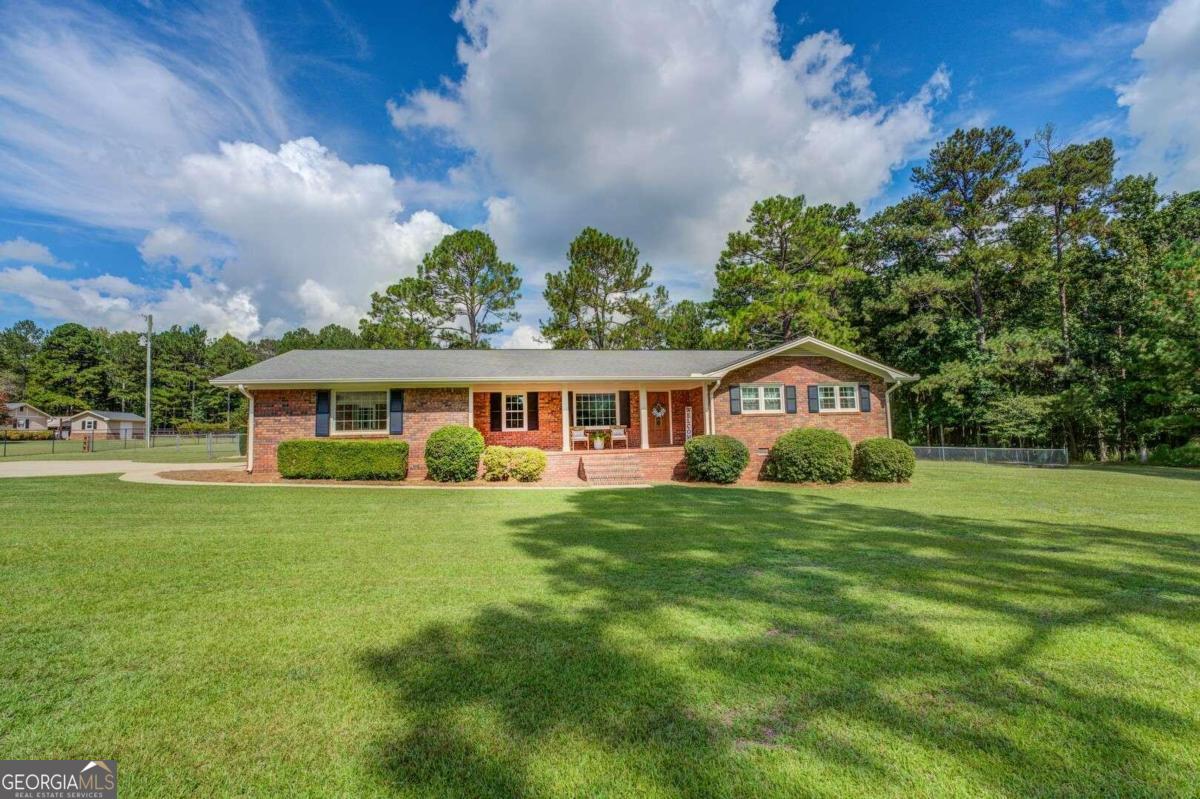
(841, 397)
(595, 410)
(360, 412)
(89, 424)
(762, 398)
(514, 411)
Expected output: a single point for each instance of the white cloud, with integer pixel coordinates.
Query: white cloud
(314, 235)
(1164, 100)
(181, 246)
(96, 110)
(659, 121)
(116, 303)
(29, 252)
(524, 337)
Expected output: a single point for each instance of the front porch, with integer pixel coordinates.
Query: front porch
(582, 418)
(616, 467)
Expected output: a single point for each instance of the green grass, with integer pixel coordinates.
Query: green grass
(985, 632)
(114, 450)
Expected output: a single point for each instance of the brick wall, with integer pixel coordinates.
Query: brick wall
(760, 430)
(548, 436)
(680, 401)
(292, 413)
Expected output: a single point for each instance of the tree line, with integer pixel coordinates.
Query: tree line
(1043, 301)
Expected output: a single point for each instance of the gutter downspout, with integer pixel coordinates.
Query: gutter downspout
(887, 400)
(249, 428)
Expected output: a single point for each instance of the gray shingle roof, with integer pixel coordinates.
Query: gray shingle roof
(114, 416)
(314, 366)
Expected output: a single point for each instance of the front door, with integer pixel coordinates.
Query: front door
(658, 416)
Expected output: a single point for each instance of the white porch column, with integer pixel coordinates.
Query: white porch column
(708, 420)
(566, 422)
(644, 417)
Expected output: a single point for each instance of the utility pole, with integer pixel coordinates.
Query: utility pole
(149, 338)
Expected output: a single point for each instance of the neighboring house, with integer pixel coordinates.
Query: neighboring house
(107, 424)
(538, 398)
(23, 416)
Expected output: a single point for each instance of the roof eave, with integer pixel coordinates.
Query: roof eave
(830, 350)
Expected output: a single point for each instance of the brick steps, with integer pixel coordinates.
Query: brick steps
(612, 470)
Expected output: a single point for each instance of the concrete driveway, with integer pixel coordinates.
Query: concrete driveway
(134, 471)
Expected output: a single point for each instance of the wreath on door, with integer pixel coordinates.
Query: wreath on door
(659, 410)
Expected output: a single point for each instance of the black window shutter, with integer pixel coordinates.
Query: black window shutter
(735, 399)
(322, 413)
(531, 410)
(623, 409)
(789, 398)
(570, 408)
(864, 397)
(495, 403)
(814, 401)
(396, 412)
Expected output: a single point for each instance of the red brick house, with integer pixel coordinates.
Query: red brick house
(562, 401)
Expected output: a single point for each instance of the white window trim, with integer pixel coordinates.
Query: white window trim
(333, 428)
(504, 411)
(616, 395)
(837, 398)
(763, 411)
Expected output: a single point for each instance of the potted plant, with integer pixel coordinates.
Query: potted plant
(598, 439)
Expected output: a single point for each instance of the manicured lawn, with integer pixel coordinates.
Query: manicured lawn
(985, 632)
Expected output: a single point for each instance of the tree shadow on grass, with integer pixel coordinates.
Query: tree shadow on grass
(750, 642)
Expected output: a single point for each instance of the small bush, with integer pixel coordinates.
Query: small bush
(496, 462)
(883, 460)
(452, 453)
(317, 459)
(715, 459)
(809, 455)
(243, 437)
(528, 464)
(1187, 455)
(27, 435)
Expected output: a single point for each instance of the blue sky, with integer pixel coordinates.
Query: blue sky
(255, 167)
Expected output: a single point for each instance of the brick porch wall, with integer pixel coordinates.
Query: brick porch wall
(548, 436)
(759, 431)
(681, 399)
(292, 413)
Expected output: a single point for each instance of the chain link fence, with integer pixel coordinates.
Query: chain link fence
(210, 446)
(1000, 455)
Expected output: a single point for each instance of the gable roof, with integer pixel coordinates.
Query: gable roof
(13, 406)
(808, 345)
(113, 416)
(397, 367)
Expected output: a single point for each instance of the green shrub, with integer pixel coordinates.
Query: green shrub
(27, 435)
(322, 459)
(883, 460)
(452, 453)
(809, 455)
(1187, 455)
(528, 464)
(496, 462)
(715, 459)
(243, 438)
